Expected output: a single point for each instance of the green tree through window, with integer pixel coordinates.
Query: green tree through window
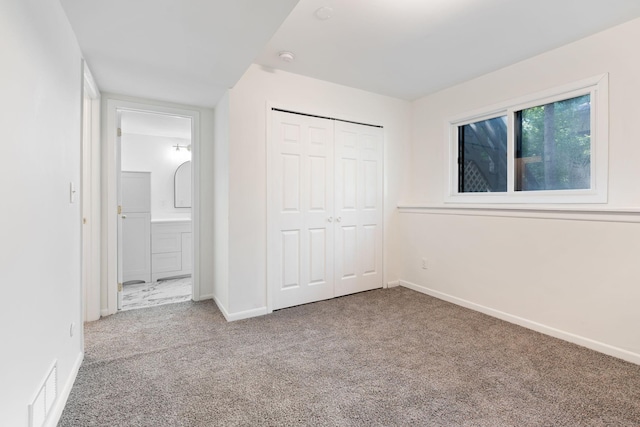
(553, 146)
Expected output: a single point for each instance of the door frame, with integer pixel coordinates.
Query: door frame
(110, 287)
(270, 159)
(90, 196)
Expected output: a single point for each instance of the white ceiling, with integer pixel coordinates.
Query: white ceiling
(191, 51)
(141, 123)
(184, 51)
(410, 48)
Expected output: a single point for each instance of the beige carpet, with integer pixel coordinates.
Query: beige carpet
(381, 358)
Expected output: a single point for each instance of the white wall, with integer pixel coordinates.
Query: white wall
(204, 188)
(156, 154)
(221, 204)
(40, 118)
(575, 279)
(247, 166)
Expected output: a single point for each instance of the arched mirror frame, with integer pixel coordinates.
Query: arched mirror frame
(182, 186)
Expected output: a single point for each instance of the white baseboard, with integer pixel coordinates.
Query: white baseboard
(104, 312)
(205, 297)
(393, 284)
(247, 314)
(222, 308)
(61, 401)
(241, 314)
(538, 327)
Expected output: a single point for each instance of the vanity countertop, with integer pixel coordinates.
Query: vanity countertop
(171, 220)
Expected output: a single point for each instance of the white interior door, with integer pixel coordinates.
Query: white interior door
(358, 208)
(136, 226)
(300, 253)
(136, 191)
(136, 247)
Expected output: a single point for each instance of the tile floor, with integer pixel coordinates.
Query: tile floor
(142, 295)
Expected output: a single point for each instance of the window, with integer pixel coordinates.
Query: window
(546, 148)
(553, 146)
(482, 148)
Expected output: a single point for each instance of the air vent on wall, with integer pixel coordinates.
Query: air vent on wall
(43, 402)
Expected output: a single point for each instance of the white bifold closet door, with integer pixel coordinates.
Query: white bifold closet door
(325, 209)
(358, 208)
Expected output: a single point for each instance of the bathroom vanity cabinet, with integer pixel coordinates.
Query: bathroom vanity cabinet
(170, 248)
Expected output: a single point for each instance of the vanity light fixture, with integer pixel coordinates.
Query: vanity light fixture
(178, 147)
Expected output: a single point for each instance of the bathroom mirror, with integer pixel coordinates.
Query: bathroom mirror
(182, 186)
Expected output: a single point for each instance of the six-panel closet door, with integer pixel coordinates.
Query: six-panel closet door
(358, 208)
(300, 242)
(325, 209)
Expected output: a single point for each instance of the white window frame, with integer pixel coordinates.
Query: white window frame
(597, 87)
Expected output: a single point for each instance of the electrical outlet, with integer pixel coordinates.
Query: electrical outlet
(425, 265)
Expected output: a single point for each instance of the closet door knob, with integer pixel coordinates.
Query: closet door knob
(339, 219)
(330, 219)
(124, 217)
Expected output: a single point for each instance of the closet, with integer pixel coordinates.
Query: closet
(325, 208)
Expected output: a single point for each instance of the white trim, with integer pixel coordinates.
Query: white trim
(270, 277)
(595, 213)
(90, 188)
(537, 98)
(393, 284)
(221, 307)
(205, 297)
(247, 314)
(94, 92)
(61, 401)
(114, 105)
(529, 324)
(195, 205)
(598, 89)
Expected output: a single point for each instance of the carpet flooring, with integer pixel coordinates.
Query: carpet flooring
(391, 357)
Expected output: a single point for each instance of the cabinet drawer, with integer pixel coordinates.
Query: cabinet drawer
(166, 242)
(186, 252)
(171, 227)
(161, 263)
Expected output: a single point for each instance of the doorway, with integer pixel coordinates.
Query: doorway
(152, 204)
(155, 196)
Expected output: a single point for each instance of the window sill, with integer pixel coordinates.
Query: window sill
(572, 213)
